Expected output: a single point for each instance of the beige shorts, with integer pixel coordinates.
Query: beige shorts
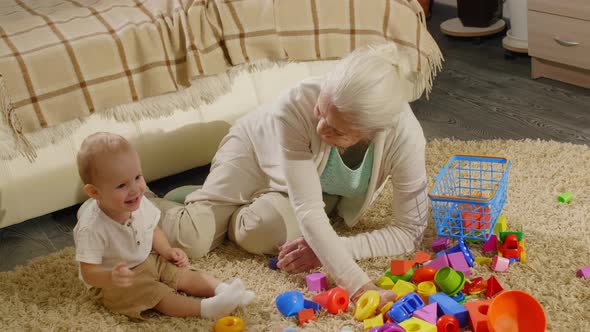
(154, 279)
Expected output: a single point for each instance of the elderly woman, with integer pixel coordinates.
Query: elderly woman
(326, 146)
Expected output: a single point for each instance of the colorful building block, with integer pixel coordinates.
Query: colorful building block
(478, 311)
(500, 264)
(440, 244)
(584, 272)
(422, 257)
(491, 244)
(501, 225)
(316, 282)
(305, 315)
(402, 288)
(307, 304)
(448, 306)
(272, 263)
(400, 267)
(373, 322)
(333, 300)
(457, 262)
(440, 261)
(418, 325)
(493, 287)
(404, 307)
(385, 282)
(427, 313)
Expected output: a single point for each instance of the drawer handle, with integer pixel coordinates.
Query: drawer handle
(565, 42)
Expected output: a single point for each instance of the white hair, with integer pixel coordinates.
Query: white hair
(370, 86)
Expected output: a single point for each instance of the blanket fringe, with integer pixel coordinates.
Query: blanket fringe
(203, 91)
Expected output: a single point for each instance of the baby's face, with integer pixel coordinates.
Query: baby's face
(120, 184)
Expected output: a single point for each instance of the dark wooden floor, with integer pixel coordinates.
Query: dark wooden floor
(478, 95)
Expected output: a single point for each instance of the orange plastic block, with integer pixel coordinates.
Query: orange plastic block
(478, 315)
(305, 315)
(400, 267)
(422, 257)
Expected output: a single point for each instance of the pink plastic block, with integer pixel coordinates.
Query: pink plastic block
(440, 261)
(491, 244)
(500, 264)
(440, 244)
(427, 313)
(316, 282)
(457, 262)
(584, 272)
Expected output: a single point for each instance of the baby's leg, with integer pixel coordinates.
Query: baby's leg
(177, 305)
(198, 283)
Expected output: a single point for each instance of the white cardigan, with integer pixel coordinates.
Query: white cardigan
(292, 155)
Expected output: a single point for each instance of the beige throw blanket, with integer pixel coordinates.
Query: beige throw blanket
(63, 60)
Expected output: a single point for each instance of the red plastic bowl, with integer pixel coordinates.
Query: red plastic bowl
(515, 310)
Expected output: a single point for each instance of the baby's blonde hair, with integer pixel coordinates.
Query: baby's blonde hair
(95, 147)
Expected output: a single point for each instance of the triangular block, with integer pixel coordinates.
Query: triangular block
(494, 287)
(427, 313)
(478, 318)
(457, 262)
(439, 262)
(491, 244)
(422, 257)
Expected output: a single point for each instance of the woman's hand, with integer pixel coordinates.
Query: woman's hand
(297, 256)
(176, 256)
(385, 295)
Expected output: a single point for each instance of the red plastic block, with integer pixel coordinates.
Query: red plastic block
(422, 257)
(305, 315)
(478, 315)
(400, 267)
(494, 287)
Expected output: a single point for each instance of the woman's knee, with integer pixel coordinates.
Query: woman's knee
(265, 224)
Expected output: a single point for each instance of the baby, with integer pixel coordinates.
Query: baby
(124, 256)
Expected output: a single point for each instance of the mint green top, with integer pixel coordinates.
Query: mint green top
(339, 179)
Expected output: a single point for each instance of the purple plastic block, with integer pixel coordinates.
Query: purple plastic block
(316, 282)
(441, 243)
(457, 262)
(491, 244)
(428, 313)
(584, 272)
(440, 261)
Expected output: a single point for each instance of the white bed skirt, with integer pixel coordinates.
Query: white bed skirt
(187, 139)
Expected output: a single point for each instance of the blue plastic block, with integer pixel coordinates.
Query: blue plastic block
(448, 306)
(404, 307)
(272, 263)
(308, 304)
(289, 303)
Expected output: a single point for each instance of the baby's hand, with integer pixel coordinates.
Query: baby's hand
(122, 276)
(177, 256)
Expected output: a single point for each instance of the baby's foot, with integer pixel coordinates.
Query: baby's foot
(247, 295)
(222, 304)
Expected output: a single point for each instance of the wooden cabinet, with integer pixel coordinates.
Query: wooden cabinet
(559, 40)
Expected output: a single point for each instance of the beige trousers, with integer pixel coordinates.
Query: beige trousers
(233, 203)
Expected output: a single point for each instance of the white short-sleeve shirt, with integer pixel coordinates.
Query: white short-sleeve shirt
(101, 240)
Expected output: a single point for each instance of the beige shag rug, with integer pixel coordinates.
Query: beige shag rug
(45, 295)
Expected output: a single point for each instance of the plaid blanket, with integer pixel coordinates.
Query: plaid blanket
(63, 60)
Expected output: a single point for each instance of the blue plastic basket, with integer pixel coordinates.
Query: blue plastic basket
(468, 196)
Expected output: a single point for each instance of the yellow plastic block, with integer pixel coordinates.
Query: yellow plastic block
(402, 288)
(483, 260)
(373, 322)
(385, 283)
(386, 307)
(417, 325)
(501, 225)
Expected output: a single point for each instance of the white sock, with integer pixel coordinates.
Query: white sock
(221, 288)
(247, 296)
(223, 304)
